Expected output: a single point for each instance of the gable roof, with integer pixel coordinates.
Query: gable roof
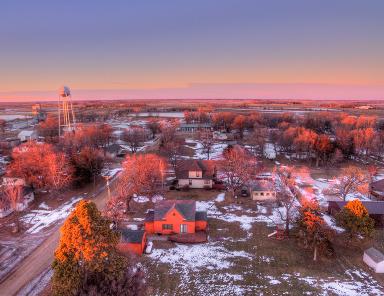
(187, 208)
(263, 185)
(132, 236)
(26, 133)
(207, 167)
(201, 216)
(373, 207)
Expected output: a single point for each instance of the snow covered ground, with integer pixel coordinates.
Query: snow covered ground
(215, 153)
(227, 266)
(41, 219)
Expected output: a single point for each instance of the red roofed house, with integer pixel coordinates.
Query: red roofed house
(132, 241)
(194, 173)
(175, 216)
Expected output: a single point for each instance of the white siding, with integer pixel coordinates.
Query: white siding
(263, 195)
(195, 183)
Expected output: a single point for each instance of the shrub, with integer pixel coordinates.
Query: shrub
(355, 219)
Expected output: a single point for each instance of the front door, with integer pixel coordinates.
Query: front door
(183, 228)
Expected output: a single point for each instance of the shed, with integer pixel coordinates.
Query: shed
(374, 259)
(27, 135)
(263, 190)
(132, 241)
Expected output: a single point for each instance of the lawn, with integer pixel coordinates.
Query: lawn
(239, 259)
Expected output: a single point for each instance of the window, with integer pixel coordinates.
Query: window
(190, 182)
(198, 174)
(267, 193)
(262, 193)
(183, 228)
(167, 226)
(207, 182)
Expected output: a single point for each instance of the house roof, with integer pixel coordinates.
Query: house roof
(378, 186)
(375, 255)
(201, 216)
(150, 216)
(263, 186)
(114, 148)
(132, 236)
(373, 207)
(195, 125)
(207, 167)
(187, 208)
(26, 133)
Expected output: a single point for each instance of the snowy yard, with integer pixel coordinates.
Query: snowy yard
(199, 153)
(37, 220)
(239, 259)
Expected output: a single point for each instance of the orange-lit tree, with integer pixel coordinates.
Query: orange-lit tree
(355, 219)
(143, 175)
(86, 260)
(313, 231)
(40, 166)
(237, 168)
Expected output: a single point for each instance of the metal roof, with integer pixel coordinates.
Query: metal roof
(375, 255)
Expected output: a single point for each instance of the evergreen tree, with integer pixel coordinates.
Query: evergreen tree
(355, 219)
(86, 261)
(312, 229)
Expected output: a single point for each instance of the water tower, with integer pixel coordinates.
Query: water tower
(67, 121)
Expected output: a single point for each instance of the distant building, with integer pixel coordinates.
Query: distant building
(175, 216)
(9, 143)
(27, 135)
(220, 136)
(194, 127)
(114, 150)
(194, 173)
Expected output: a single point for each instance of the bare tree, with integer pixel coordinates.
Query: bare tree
(173, 150)
(207, 142)
(237, 168)
(134, 137)
(13, 196)
(351, 180)
(285, 197)
(143, 174)
(257, 140)
(154, 126)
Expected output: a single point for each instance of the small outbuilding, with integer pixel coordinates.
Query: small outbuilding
(374, 259)
(27, 136)
(132, 241)
(263, 190)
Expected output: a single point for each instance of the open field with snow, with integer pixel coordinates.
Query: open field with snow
(239, 259)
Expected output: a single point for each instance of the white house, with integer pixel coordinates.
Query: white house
(263, 190)
(374, 259)
(195, 173)
(220, 136)
(27, 135)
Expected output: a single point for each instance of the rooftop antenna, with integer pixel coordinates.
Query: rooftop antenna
(67, 121)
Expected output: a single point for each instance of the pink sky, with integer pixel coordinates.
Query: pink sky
(216, 91)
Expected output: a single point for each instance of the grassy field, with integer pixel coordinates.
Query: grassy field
(239, 259)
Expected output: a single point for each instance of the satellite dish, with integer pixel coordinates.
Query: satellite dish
(64, 91)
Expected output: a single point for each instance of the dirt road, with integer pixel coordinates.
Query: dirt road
(39, 260)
